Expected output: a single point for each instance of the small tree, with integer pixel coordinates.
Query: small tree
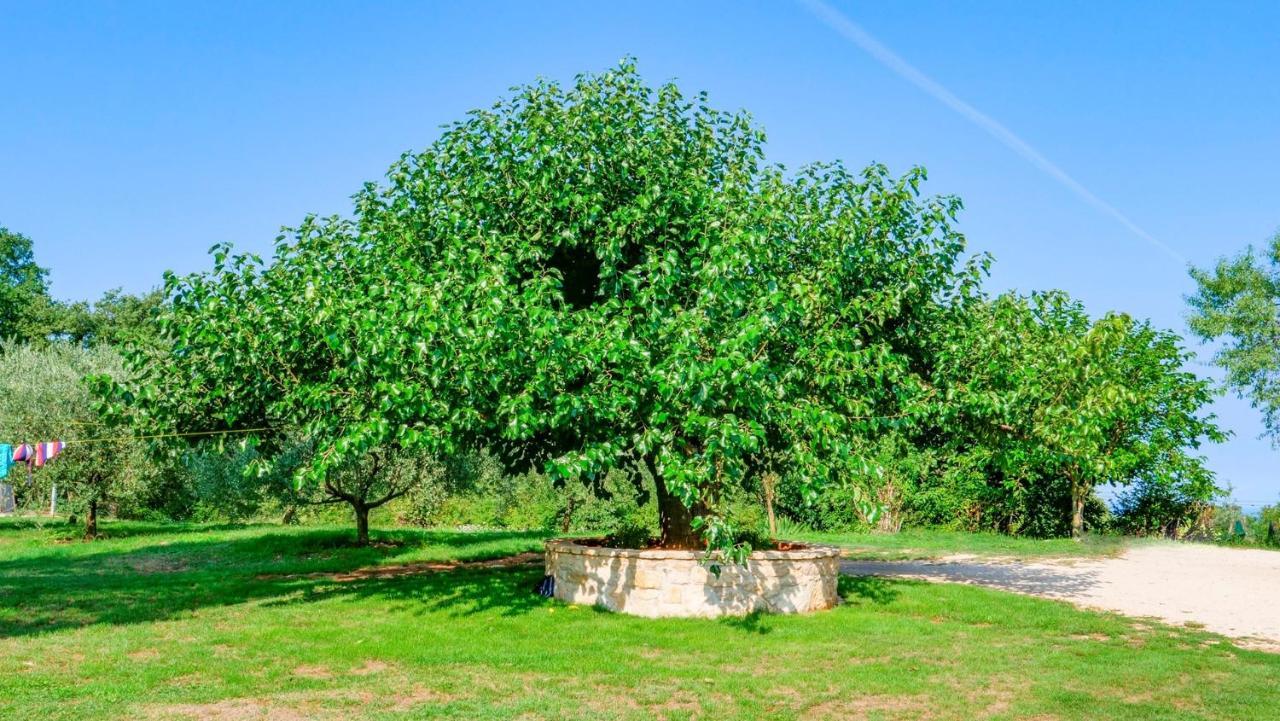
(1051, 394)
(370, 482)
(592, 278)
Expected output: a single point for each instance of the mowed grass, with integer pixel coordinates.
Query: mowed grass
(265, 622)
(912, 544)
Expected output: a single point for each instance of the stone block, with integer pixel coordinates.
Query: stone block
(649, 576)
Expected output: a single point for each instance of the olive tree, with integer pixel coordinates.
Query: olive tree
(370, 481)
(584, 278)
(45, 396)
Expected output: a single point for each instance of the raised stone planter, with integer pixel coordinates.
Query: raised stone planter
(658, 583)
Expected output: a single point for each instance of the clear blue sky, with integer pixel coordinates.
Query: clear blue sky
(134, 135)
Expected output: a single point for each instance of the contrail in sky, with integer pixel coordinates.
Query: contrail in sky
(841, 23)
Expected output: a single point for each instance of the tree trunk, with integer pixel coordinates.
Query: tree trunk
(890, 520)
(770, 482)
(362, 523)
(1077, 510)
(674, 518)
(676, 521)
(567, 523)
(91, 521)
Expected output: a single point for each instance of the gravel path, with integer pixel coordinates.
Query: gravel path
(1234, 592)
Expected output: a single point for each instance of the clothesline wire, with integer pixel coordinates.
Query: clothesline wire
(121, 439)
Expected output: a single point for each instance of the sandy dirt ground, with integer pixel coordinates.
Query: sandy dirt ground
(1234, 592)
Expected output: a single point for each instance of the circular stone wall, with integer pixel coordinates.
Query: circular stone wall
(658, 582)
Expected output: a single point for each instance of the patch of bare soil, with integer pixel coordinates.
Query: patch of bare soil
(329, 705)
(319, 673)
(236, 709)
(188, 680)
(148, 565)
(369, 668)
(990, 699)
(417, 696)
(1089, 637)
(408, 569)
(678, 705)
(861, 708)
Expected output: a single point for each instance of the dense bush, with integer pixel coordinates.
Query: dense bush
(476, 491)
(1161, 509)
(1228, 523)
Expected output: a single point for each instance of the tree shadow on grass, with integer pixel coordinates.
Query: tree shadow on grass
(507, 591)
(116, 528)
(755, 622)
(10, 524)
(874, 589)
(99, 584)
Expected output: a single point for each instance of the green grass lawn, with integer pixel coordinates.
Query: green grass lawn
(910, 544)
(260, 622)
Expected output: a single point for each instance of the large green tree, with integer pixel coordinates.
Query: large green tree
(1237, 304)
(585, 278)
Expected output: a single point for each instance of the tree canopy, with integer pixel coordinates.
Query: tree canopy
(1045, 392)
(23, 286)
(608, 277)
(29, 314)
(584, 278)
(1237, 302)
(117, 319)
